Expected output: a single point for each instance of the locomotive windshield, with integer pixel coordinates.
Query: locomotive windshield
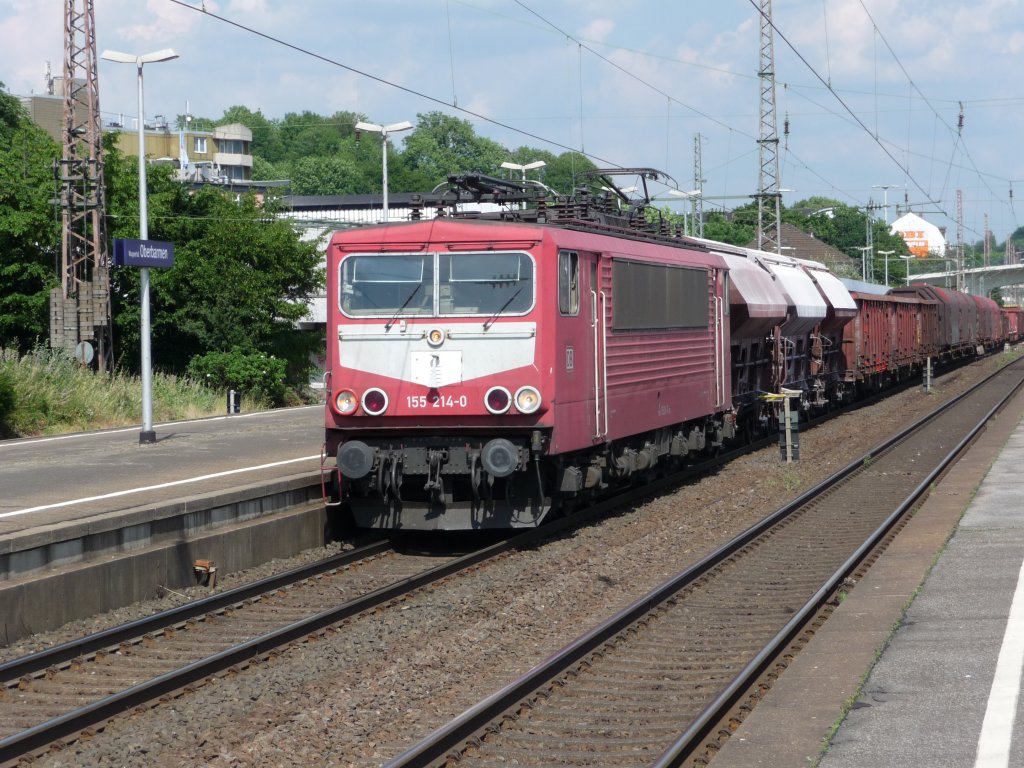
(440, 284)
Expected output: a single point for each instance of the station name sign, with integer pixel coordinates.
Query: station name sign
(143, 253)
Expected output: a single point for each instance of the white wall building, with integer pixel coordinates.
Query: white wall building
(922, 237)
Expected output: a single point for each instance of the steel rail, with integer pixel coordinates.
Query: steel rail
(473, 721)
(63, 726)
(684, 745)
(98, 641)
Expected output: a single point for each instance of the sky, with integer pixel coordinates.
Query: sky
(877, 101)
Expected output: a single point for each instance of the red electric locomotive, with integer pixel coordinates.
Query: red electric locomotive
(484, 371)
(481, 370)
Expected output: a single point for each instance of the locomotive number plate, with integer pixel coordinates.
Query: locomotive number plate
(436, 400)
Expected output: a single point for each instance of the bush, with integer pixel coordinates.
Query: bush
(255, 374)
(6, 404)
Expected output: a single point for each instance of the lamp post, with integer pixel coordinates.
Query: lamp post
(908, 259)
(864, 251)
(887, 254)
(147, 435)
(384, 130)
(524, 168)
(694, 227)
(885, 198)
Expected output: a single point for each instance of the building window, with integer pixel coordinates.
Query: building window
(200, 145)
(231, 146)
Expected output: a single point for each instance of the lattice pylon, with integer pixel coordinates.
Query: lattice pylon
(80, 307)
(769, 214)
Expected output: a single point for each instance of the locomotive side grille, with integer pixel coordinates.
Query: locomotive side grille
(640, 358)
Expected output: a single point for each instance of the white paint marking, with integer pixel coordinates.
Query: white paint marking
(154, 487)
(997, 728)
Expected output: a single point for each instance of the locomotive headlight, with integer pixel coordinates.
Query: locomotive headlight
(497, 400)
(435, 337)
(375, 401)
(527, 399)
(346, 402)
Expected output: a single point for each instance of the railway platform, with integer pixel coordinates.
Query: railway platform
(924, 656)
(93, 521)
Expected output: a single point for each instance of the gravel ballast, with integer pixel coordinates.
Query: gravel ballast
(363, 694)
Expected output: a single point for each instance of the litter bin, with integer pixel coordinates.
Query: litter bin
(234, 401)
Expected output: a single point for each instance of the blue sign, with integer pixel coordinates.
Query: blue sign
(143, 253)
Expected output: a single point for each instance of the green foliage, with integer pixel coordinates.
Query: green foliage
(845, 229)
(53, 394)
(6, 403)
(441, 145)
(735, 231)
(240, 279)
(29, 226)
(254, 374)
(264, 170)
(563, 173)
(266, 139)
(328, 176)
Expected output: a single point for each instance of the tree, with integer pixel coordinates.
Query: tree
(239, 282)
(443, 145)
(737, 231)
(563, 173)
(29, 226)
(266, 139)
(264, 170)
(328, 176)
(308, 134)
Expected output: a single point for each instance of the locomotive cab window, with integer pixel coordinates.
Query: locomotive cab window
(387, 285)
(568, 283)
(485, 283)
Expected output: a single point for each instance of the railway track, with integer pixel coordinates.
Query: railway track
(658, 683)
(52, 697)
(55, 694)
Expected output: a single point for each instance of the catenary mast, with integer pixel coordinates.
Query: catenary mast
(768, 204)
(80, 306)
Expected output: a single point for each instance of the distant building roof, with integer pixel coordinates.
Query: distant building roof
(802, 245)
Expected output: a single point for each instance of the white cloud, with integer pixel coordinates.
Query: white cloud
(598, 30)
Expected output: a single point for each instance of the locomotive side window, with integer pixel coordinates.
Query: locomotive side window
(388, 285)
(485, 283)
(650, 296)
(568, 283)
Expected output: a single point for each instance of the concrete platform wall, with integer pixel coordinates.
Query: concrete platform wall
(55, 574)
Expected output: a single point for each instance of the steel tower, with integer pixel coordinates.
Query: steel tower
(80, 306)
(769, 217)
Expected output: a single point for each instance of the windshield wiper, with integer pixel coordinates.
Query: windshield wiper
(504, 306)
(405, 304)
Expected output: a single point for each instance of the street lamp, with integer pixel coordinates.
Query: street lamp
(694, 227)
(887, 254)
(885, 198)
(384, 130)
(147, 435)
(908, 259)
(524, 168)
(864, 251)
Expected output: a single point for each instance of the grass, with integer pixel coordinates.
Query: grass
(53, 394)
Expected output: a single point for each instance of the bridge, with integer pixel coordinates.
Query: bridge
(979, 281)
